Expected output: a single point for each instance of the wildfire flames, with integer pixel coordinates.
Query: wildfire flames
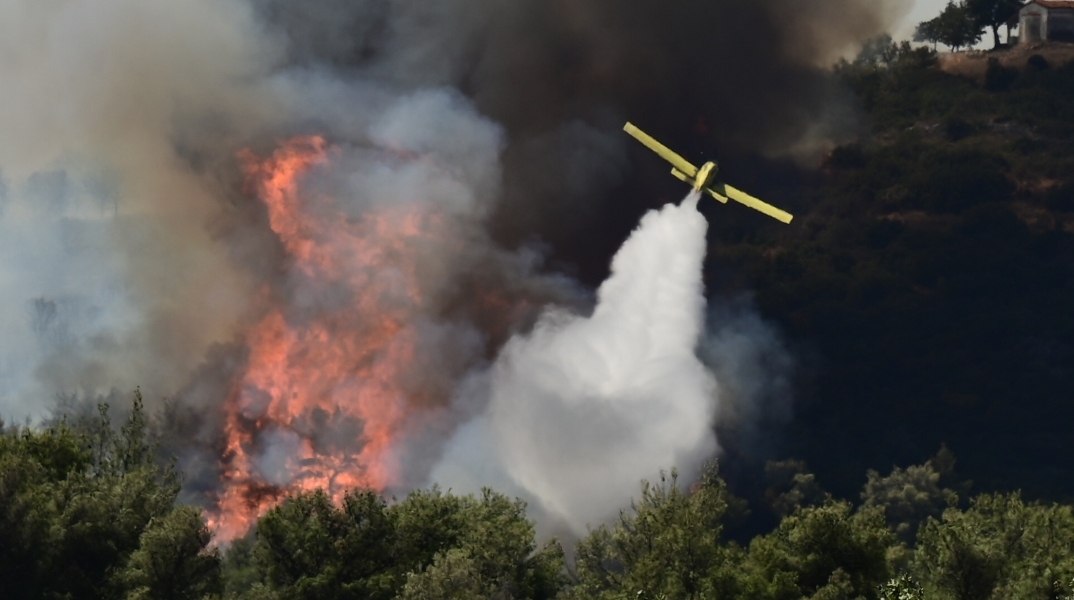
(320, 403)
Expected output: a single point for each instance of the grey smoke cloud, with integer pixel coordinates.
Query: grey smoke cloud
(754, 370)
(132, 256)
(64, 309)
(101, 218)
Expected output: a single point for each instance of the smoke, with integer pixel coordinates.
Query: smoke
(137, 251)
(754, 371)
(562, 76)
(582, 408)
(110, 275)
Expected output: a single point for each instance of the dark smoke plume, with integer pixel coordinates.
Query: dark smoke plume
(562, 76)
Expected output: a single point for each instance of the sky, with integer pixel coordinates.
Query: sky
(922, 10)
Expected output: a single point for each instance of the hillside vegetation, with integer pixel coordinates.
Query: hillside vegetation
(929, 283)
(87, 511)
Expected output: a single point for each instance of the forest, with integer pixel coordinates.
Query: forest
(927, 290)
(931, 280)
(88, 510)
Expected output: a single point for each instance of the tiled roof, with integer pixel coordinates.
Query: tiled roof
(1053, 3)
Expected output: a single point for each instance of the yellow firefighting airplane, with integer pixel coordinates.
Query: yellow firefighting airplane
(702, 179)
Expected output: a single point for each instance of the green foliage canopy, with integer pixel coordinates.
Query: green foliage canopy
(430, 545)
(90, 513)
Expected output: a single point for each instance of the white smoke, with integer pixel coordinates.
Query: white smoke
(582, 408)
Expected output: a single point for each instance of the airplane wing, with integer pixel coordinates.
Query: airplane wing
(676, 161)
(722, 189)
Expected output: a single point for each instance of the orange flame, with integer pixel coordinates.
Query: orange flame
(335, 357)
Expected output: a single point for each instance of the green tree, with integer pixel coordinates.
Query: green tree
(502, 542)
(77, 505)
(1000, 547)
(454, 575)
(242, 571)
(993, 14)
(928, 31)
(308, 547)
(173, 560)
(32, 465)
(311, 548)
(101, 512)
(428, 522)
(956, 26)
(822, 551)
(878, 51)
(792, 486)
(901, 587)
(910, 496)
(666, 546)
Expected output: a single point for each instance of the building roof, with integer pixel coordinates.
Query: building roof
(1052, 3)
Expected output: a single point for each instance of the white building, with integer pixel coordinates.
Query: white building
(1041, 20)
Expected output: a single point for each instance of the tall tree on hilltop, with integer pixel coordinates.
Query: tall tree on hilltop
(993, 13)
(928, 31)
(954, 27)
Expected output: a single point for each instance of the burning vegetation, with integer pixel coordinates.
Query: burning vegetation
(322, 401)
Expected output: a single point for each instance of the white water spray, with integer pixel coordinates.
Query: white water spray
(583, 408)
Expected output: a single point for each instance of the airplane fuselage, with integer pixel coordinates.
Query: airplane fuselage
(701, 179)
(705, 175)
(704, 179)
